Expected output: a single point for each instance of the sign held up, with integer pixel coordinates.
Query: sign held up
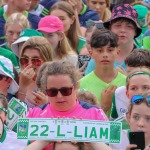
(69, 130)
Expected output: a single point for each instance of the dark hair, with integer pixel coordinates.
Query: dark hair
(138, 57)
(103, 37)
(124, 20)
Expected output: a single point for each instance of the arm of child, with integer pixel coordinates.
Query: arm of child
(38, 145)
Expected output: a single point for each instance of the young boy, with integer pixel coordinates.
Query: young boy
(14, 6)
(104, 79)
(137, 58)
(124, 23)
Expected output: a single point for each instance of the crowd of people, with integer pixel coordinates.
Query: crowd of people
(81, 59)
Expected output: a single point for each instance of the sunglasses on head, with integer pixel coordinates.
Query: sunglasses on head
(65, 91)
(99, 25)
(142, 22)
(138, 99)
(35, 61)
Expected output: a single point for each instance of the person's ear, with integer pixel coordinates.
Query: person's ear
(9, 81)
(73, 18)
(127, 94)
(90, 52)
(118, 50)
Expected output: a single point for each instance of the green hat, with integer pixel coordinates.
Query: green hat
(23, 37)
(142, 12)
(146, 40)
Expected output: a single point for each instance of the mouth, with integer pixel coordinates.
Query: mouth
(105, 61)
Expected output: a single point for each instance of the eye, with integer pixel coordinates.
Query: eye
(133, 88)
(136, 117)
(147, 119)
(146, 87)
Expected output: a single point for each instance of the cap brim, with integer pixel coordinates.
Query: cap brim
(14, 46)
(13, 89)
(108, 23)
(48, 30)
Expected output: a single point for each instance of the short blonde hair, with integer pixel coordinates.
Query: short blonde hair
(17, 18)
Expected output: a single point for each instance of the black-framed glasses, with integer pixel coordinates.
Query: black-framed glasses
(138, 99)
(99, 25)
(65, 91)
(35, 61)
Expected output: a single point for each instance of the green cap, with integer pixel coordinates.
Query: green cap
(23, 37)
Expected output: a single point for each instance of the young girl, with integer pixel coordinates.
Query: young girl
(34, 53)
(66, 13)
(13, 26)
(102, 8)
(139, 117)
(52, 29)
(138, 81)
(8, 139)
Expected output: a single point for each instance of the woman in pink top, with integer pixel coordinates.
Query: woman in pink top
(60, 79)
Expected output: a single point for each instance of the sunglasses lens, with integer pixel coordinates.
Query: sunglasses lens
(137, 99)
(89, 24)
(24, 61)
(66, 91)
(1, 76)
(99, 25)
(52, 92)
(36, 61)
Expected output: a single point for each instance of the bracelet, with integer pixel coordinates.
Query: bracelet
(22, 93)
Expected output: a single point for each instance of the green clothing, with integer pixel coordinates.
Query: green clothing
(95, 85)
(81, 43)
(10, 55)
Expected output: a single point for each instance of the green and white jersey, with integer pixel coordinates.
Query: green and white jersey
(120, 103)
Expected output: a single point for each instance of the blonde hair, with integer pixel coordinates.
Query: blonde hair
(137, 71)
(41, 44)
(87, 96)
(72, 33)
(64, 47)
(17, 18)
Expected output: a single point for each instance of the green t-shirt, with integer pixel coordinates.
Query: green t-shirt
(10, 55)
(95, 85)
(81, 43)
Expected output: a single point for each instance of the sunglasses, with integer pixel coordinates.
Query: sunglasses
(35, 61)
(138, 99)
(142, 22)
(99, 25)
(65, 91)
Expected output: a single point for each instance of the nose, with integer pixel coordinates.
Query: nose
(97, 6)
(15, 36)
(59, 95)
(105, 54)
(141, 123)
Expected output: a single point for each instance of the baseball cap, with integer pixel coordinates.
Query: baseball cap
(50, 24)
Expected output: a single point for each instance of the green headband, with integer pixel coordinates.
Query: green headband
(7, 70)
(136, 73)
(3, 109)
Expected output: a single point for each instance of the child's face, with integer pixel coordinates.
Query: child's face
(124, 30)
(97, 5)
(12, 33)
(138, 84)
(53, 38)
(104, 56)
(139, 119)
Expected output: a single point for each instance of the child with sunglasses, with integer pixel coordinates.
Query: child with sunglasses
(34, 53)
(61, 81)
(139, 117)
(8, 138)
